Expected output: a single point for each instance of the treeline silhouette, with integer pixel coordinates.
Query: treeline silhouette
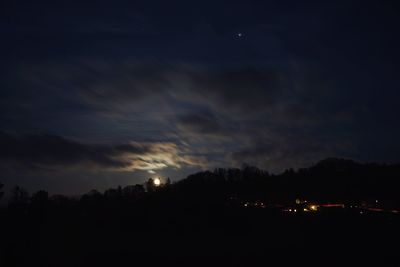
(331, 179)
(196, 222)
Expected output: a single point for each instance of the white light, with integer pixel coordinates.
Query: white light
(239, 34)
(157, 182)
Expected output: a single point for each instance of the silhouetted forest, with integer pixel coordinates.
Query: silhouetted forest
(329, 180)
(205, 219)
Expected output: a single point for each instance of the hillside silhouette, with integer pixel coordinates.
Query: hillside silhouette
(331, 179)
(225, 217)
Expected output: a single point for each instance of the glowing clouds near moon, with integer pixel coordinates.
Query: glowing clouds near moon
(159, 156)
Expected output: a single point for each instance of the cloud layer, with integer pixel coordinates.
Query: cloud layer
(55, 152)
(270, 117)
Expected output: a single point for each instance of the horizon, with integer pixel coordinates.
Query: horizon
(77, 195)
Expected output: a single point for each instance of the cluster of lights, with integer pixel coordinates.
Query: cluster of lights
(299, 201)
(311, 208)
(254, 204)
(290, 210)
(307, 208)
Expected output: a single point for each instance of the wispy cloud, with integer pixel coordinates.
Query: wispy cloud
(56, 153)
(273, 117)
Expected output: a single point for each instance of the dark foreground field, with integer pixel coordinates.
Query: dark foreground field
(164, 235)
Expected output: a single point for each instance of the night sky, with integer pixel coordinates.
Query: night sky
(108, 93)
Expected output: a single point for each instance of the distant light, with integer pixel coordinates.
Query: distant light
(376, 201)
(157, 182)
(313, 207)
(239, 34)
(295, 210)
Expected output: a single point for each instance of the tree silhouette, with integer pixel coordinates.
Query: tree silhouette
(39, 203)
(150, 185)
(1, 192)
(19, 195)
(92, 195)
(40, 198)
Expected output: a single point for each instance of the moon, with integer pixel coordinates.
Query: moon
(157, 182)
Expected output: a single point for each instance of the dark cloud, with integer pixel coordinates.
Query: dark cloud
(249, 89)
(55, 152)
(277, 153)
(201, 123)
(51, 150)
(105, 83)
